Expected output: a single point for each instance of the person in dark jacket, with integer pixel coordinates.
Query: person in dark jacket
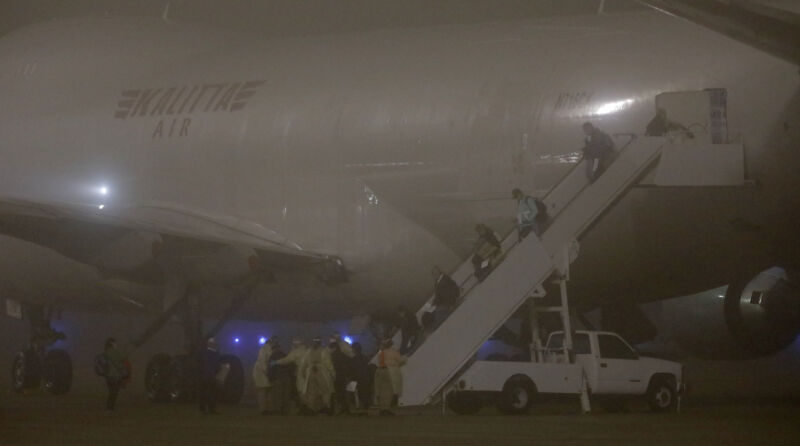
(409, 329)
(363, 373)
(488, 254)
(116, 371)
(660, 125)
(597, 151)
(446, 294)
(210, 365)
(342, 365)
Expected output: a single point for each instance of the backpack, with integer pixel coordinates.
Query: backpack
(541, 210)
(101, 364)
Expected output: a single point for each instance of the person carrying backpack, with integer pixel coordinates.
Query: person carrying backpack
(530, 213)
(111, 365)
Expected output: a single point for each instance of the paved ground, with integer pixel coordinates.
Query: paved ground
(79, 419)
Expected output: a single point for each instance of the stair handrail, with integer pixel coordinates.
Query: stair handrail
(505, 248)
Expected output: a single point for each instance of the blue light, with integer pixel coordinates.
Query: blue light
(262, 340)
(236, 340)
(348, 339)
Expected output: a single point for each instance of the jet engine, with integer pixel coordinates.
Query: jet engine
(747, 319)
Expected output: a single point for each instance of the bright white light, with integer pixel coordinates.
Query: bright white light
(348, 339)
(103, 190)
(262, 340)
(613, 107)
(236, 340)
(101, 206)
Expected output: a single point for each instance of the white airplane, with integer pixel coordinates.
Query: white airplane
(144, 161)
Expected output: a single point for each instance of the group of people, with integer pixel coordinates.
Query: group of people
(317, 376)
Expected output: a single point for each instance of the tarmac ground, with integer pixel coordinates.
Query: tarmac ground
(39, 418)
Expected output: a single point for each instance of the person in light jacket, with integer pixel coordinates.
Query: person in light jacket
(388, 377)
(293, 359)
(318, 374)
(260, 376)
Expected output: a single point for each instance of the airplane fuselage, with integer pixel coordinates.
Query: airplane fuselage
(385, 148)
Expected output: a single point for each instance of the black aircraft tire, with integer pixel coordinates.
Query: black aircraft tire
(57, 372)
(156, 378)
(25, 370)
(232, 390)
(464, 403)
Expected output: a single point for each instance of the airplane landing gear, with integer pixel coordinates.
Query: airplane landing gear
(26, 370)
(174, 378)
(37, 366)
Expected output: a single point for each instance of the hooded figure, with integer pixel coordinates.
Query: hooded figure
(295, 358)
(317, 374)
(260, 375)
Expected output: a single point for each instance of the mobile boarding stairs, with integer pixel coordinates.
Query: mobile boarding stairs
(573, 205)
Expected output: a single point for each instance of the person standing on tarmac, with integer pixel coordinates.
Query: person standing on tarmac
(363, 373)
(293, 360)
(260, 376)
(116, 372)
(280, 376)
(210, 365)
(388, 377)
(342, 367)
(318, 375)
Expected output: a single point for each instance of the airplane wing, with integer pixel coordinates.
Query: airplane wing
(771, 29)
(124, 241)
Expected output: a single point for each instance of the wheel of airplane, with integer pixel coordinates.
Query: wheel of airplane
(156, 378)
(182, 378)
(661, 395)
(57, 371)
(25, 370)
(232, 389)
(517, 395)
(464, 403)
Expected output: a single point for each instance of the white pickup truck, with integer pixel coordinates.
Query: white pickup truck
(603, 362)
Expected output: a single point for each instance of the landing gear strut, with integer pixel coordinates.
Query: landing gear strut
(36, 365)
(175, 378)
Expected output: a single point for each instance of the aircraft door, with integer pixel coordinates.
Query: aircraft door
(702, 113)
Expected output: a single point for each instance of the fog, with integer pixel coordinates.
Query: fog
(296, 18)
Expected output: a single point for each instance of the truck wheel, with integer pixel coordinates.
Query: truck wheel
(661, 396)
(464, 403)
(57, 372)
(517, 396)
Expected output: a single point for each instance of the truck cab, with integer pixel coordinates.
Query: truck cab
(611, 365)
(600, 363)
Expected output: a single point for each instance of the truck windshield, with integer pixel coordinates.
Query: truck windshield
(580, 341)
